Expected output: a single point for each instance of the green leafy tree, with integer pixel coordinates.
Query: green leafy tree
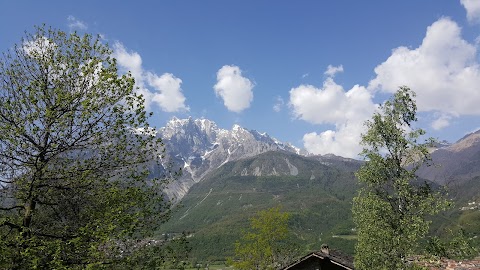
(160, 254)
(75, 148)
(391, 208)
(264, 246)
(457, 245)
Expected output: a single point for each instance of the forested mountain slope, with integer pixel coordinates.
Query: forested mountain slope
(318, 196)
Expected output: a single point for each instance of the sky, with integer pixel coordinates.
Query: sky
(306, 72)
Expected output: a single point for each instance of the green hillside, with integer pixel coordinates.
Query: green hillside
(465, 213)
(217, 209)
(315, 192)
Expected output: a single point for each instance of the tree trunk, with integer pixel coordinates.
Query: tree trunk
(27, 218)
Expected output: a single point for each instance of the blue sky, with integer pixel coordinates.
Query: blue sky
(306, 72)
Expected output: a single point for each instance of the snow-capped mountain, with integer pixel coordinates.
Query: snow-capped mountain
(198, 146)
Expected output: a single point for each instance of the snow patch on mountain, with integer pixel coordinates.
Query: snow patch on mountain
(199, 146)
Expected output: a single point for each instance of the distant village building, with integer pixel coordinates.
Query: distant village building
(326, 259)
(322, 260)
(448, 264)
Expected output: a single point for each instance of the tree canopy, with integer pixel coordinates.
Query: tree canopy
(75, 148)
(391, 209)
(264, 246)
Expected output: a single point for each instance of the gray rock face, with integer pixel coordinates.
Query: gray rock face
(198, 146)
(454, 163)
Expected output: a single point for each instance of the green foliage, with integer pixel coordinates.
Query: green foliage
(319, 207)
(390, 209)
(73, 166)
(459, 239)
(458, 246)
(159, 254)
(262, 247)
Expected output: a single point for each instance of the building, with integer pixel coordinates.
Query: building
(322, 260)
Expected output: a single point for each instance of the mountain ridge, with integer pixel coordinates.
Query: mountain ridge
(456, 162)
(318, 196)
(231, 174)
(198, 146)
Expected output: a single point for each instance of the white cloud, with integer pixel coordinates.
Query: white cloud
(443, 71)
(441, 122)
(277, 107)
(332, 71)
(345, 141)
(331, 104)
(473, 10)
(39, 47)
(74, 23)
(233, 88)
(170, 95)
(129, 61)
(168, 92)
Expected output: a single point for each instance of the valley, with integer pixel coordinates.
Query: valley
(316, 190)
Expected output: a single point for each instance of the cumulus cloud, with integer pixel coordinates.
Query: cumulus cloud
(473, 10)
(345, 141)
(129, 61)
(443, 71)
(39, 47)
(442, 121)
(233, 88)
(332, 71)
(75, 24)
(167, 92)
(277, 107)
(331, 104)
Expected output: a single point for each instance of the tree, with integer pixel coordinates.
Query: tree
(391, 209)
(75, 148)
(264, 246)
(158, 254)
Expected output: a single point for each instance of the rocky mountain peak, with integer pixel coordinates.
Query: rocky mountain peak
(456, 162)
(236, 128)
(199, 146)
(468, 141)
